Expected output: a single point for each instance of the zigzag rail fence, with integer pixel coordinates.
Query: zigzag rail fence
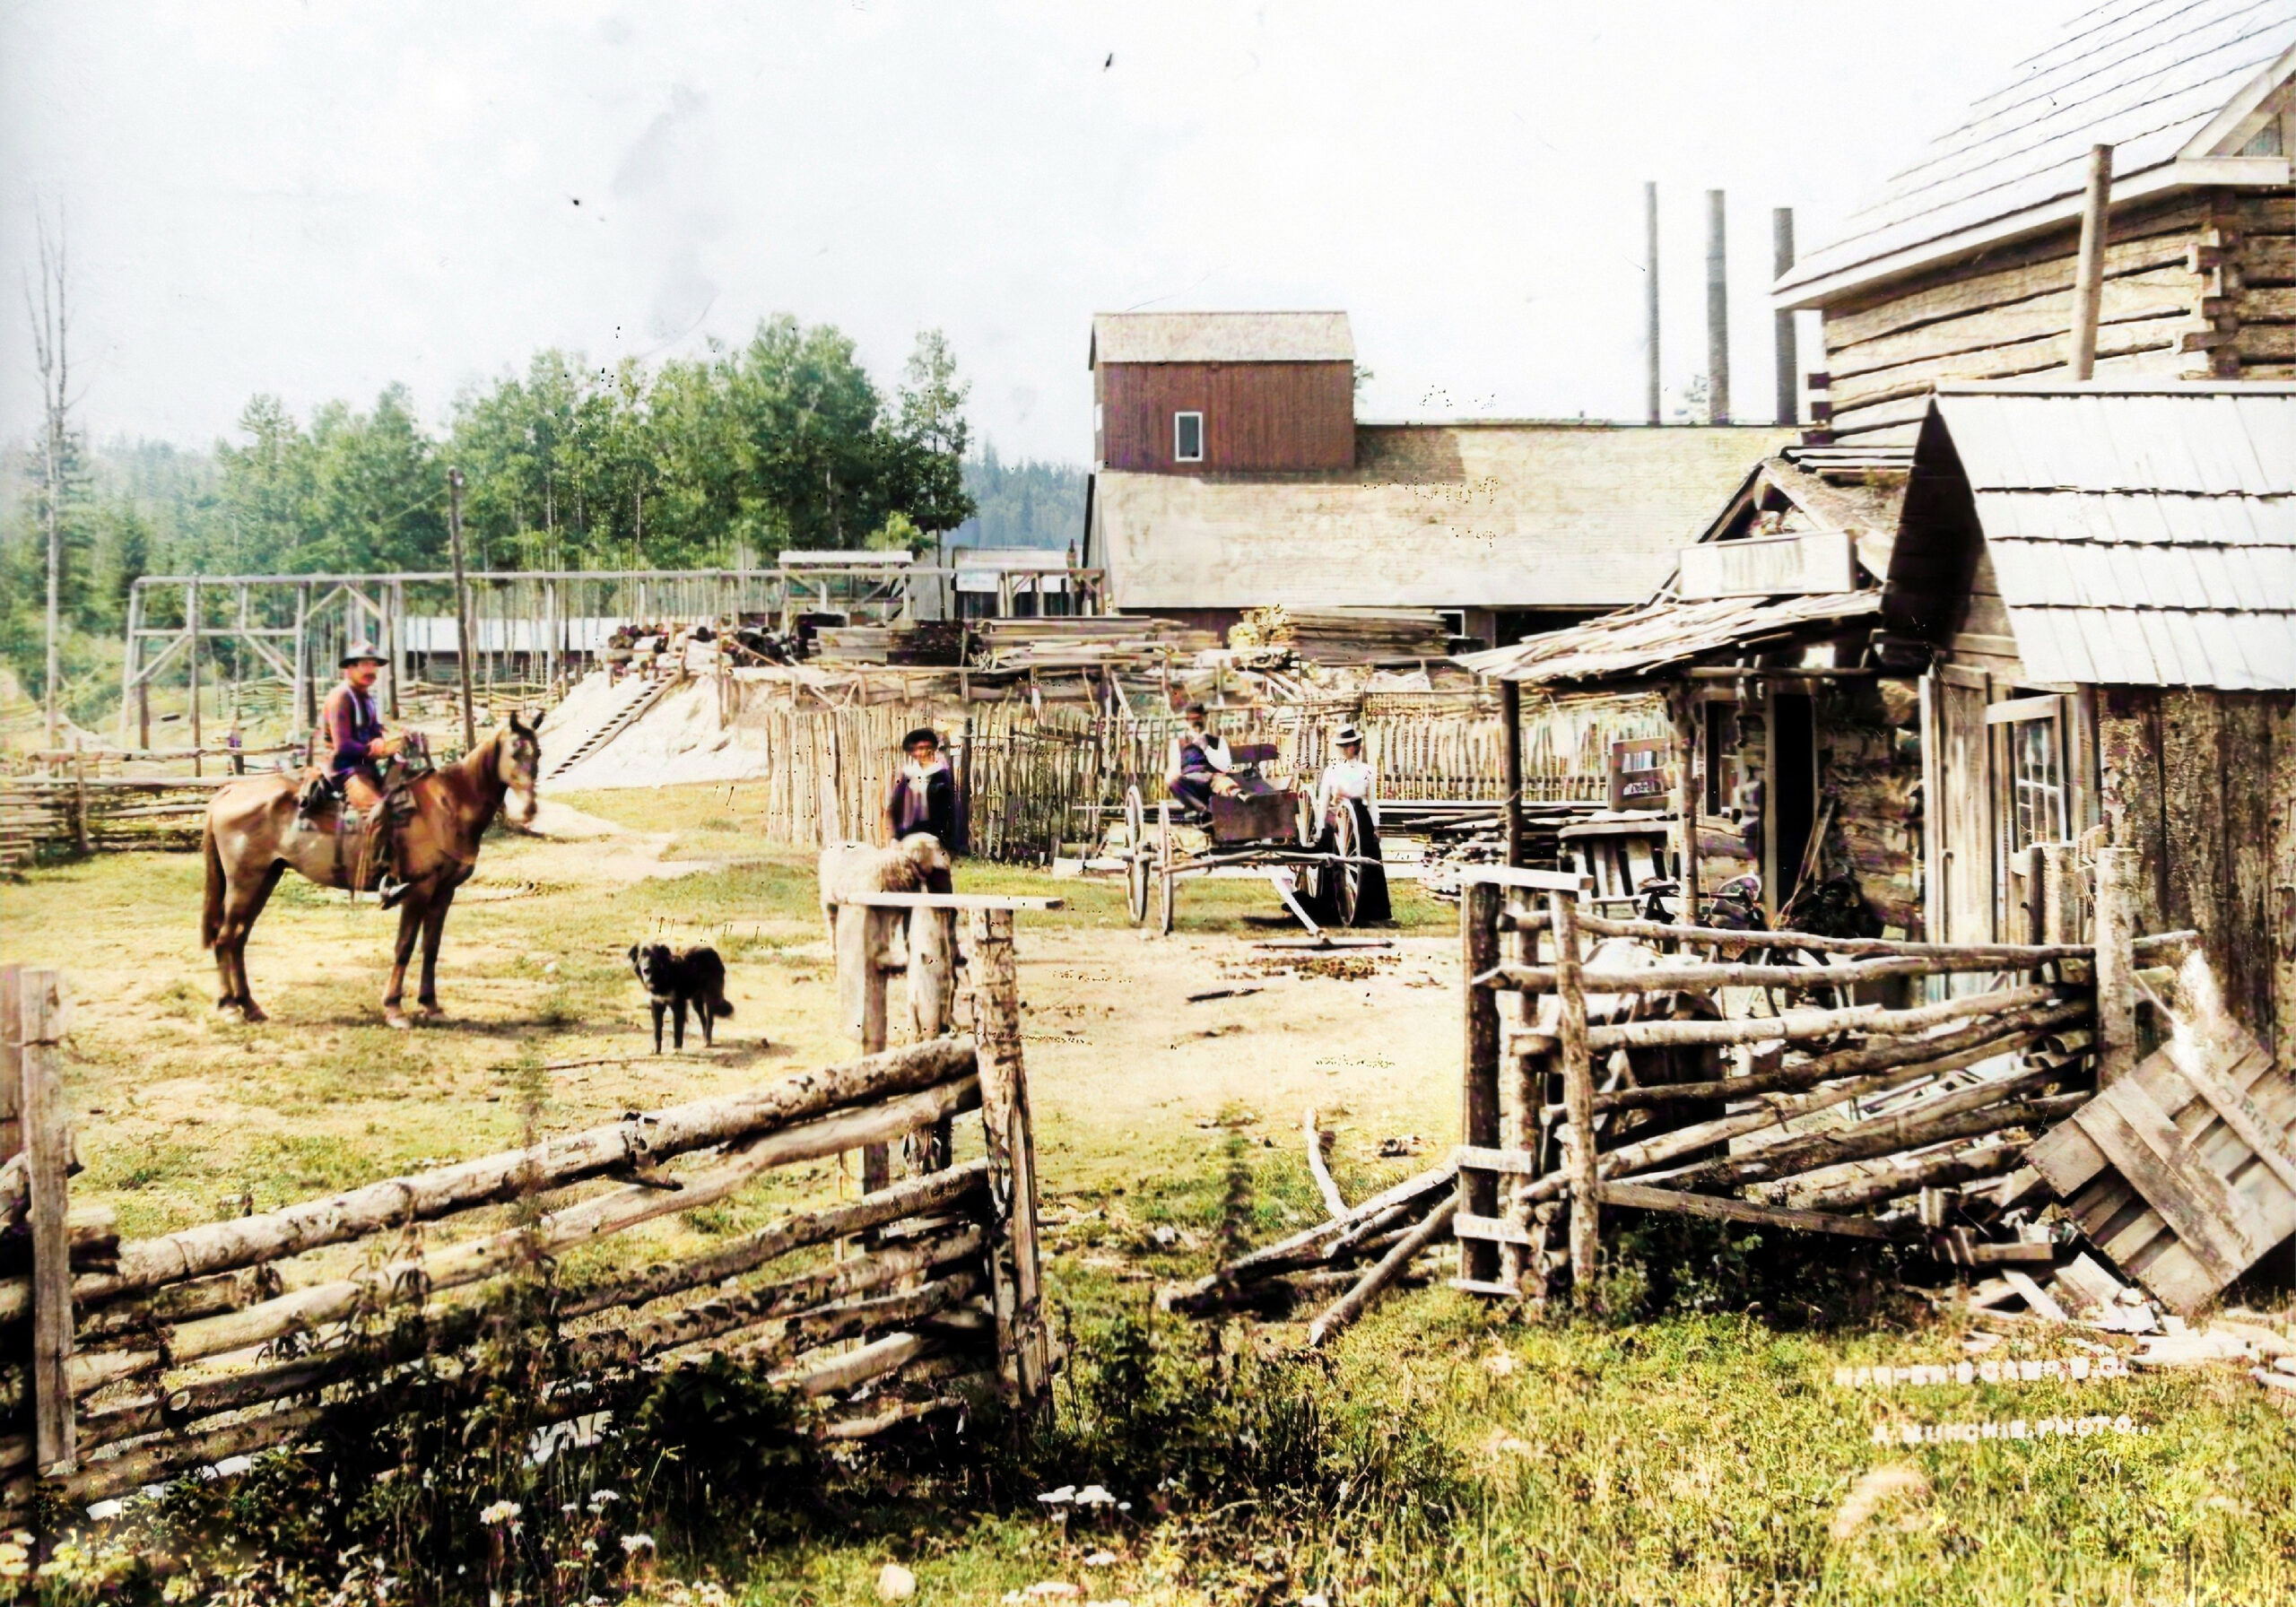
(139, 1361)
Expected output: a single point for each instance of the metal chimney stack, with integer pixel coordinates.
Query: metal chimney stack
(1650, 294)
(1717, 312)
(1789, 359)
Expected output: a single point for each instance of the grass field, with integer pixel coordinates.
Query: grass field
(1441, 1450)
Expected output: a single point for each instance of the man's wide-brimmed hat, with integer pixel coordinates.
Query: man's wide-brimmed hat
(361, 653)
(922, 734)
(1348, 736)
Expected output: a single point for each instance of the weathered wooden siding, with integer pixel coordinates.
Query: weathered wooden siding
(2203, 784)
(1268, 416)
(2009, 312)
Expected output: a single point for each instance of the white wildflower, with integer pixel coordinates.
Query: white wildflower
(501, 1512)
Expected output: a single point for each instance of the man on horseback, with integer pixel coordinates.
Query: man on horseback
(355, 744)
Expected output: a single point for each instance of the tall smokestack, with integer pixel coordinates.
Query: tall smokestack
(1717, 313)
(1650, 294)
(1789, 361)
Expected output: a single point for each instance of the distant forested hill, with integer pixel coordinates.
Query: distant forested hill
(1023, 504)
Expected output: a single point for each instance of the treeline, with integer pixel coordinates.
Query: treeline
(733, 456)
(1023, 504)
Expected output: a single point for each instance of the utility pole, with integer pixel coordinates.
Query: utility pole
(463, 645)
(51, 327)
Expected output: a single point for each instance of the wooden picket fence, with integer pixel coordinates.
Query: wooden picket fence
(1033, 780)
(151, 1358)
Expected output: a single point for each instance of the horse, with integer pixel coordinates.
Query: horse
(251, 839)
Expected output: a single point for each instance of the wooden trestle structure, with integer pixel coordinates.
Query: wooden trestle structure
(1552, 1041)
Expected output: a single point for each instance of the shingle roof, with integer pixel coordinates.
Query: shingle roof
(1219, 337)
(1554, 516)
(1637, 642)
(2145, 77)
(2141, 538)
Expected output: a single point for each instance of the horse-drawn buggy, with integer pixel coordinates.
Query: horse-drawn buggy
(1321, 868)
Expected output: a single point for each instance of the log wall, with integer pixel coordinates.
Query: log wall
(2196, 286)
(2202, 784)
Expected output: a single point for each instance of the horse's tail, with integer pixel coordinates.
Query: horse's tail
(211, 918)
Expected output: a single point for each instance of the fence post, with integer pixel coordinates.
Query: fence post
(876, 1168)
(1024, 1347)
(2115, 966)
(1479, 1093)
(1577, 1093)
(48, 1154)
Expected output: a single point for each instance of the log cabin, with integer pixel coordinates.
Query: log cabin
(2069, 618)
(1964, 267)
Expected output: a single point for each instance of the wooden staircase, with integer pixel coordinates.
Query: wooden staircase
(639, 697)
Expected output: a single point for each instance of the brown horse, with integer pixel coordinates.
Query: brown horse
(251, 841)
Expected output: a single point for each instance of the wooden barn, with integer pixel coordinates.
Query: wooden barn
(1965, 267)
(1231, 473)
(2070, 617)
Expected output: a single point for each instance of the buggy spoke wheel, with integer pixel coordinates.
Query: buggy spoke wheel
(1167, 894)
(1136, 885)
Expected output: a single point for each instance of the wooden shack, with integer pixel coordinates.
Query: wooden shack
(1964, 267)
(2069, 618)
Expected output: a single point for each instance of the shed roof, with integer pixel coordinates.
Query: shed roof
(1637, 642)
(2140, 537)
(1554, 516)
(2170, 84)
(1219, 337)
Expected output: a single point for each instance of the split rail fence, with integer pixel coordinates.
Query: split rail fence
(142, 1361)
(1594, 1075)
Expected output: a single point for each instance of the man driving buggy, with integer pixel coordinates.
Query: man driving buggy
(355, 743)
(1200, 764)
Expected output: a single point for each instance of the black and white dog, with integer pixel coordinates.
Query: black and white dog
(675, 979)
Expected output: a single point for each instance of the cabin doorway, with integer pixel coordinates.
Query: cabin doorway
(1790, 801)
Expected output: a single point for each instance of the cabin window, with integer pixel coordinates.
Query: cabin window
(1188, 437)
(2032, 732)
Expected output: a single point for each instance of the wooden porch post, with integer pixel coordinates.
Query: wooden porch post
(1510, 809)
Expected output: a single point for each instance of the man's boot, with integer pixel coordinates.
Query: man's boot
(384, 840)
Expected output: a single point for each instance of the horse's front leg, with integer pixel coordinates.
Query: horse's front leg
(434, 925)
(410, 926)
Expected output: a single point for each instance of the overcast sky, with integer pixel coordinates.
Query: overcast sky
(318, 199)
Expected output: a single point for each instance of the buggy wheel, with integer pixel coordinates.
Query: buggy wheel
(1167, 883)
(1136, 819)
(1136, 885)
(1346, 872)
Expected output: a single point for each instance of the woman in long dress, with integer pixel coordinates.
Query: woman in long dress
(1349, 782)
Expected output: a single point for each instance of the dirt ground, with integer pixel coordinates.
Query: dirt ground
(185, 1116)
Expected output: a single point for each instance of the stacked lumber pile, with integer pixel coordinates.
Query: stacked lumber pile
(927, 642)
(1086, 641)
(1344, 635)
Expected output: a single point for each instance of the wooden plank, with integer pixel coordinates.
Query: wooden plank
(964, 901)
(2280, 885)
(2012, 710)
(1489, 1230)
(1015, 1268)
(1519, 1163)
(2149, 293)
(2115, 963)
(2246, 773)
(12, 1062)
(2158, 1162)
(2268, 259)
(47, 1155)
(2142, 244)
(2036, 1296)
(2243, 1117)
(1575, 1060)
(1479, 1093)
(1722, 1209)
(1500, 875)
(1910, 379)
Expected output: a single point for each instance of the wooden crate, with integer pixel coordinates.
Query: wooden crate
(2183, 1171)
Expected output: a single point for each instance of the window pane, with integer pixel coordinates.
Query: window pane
(1187, 435)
